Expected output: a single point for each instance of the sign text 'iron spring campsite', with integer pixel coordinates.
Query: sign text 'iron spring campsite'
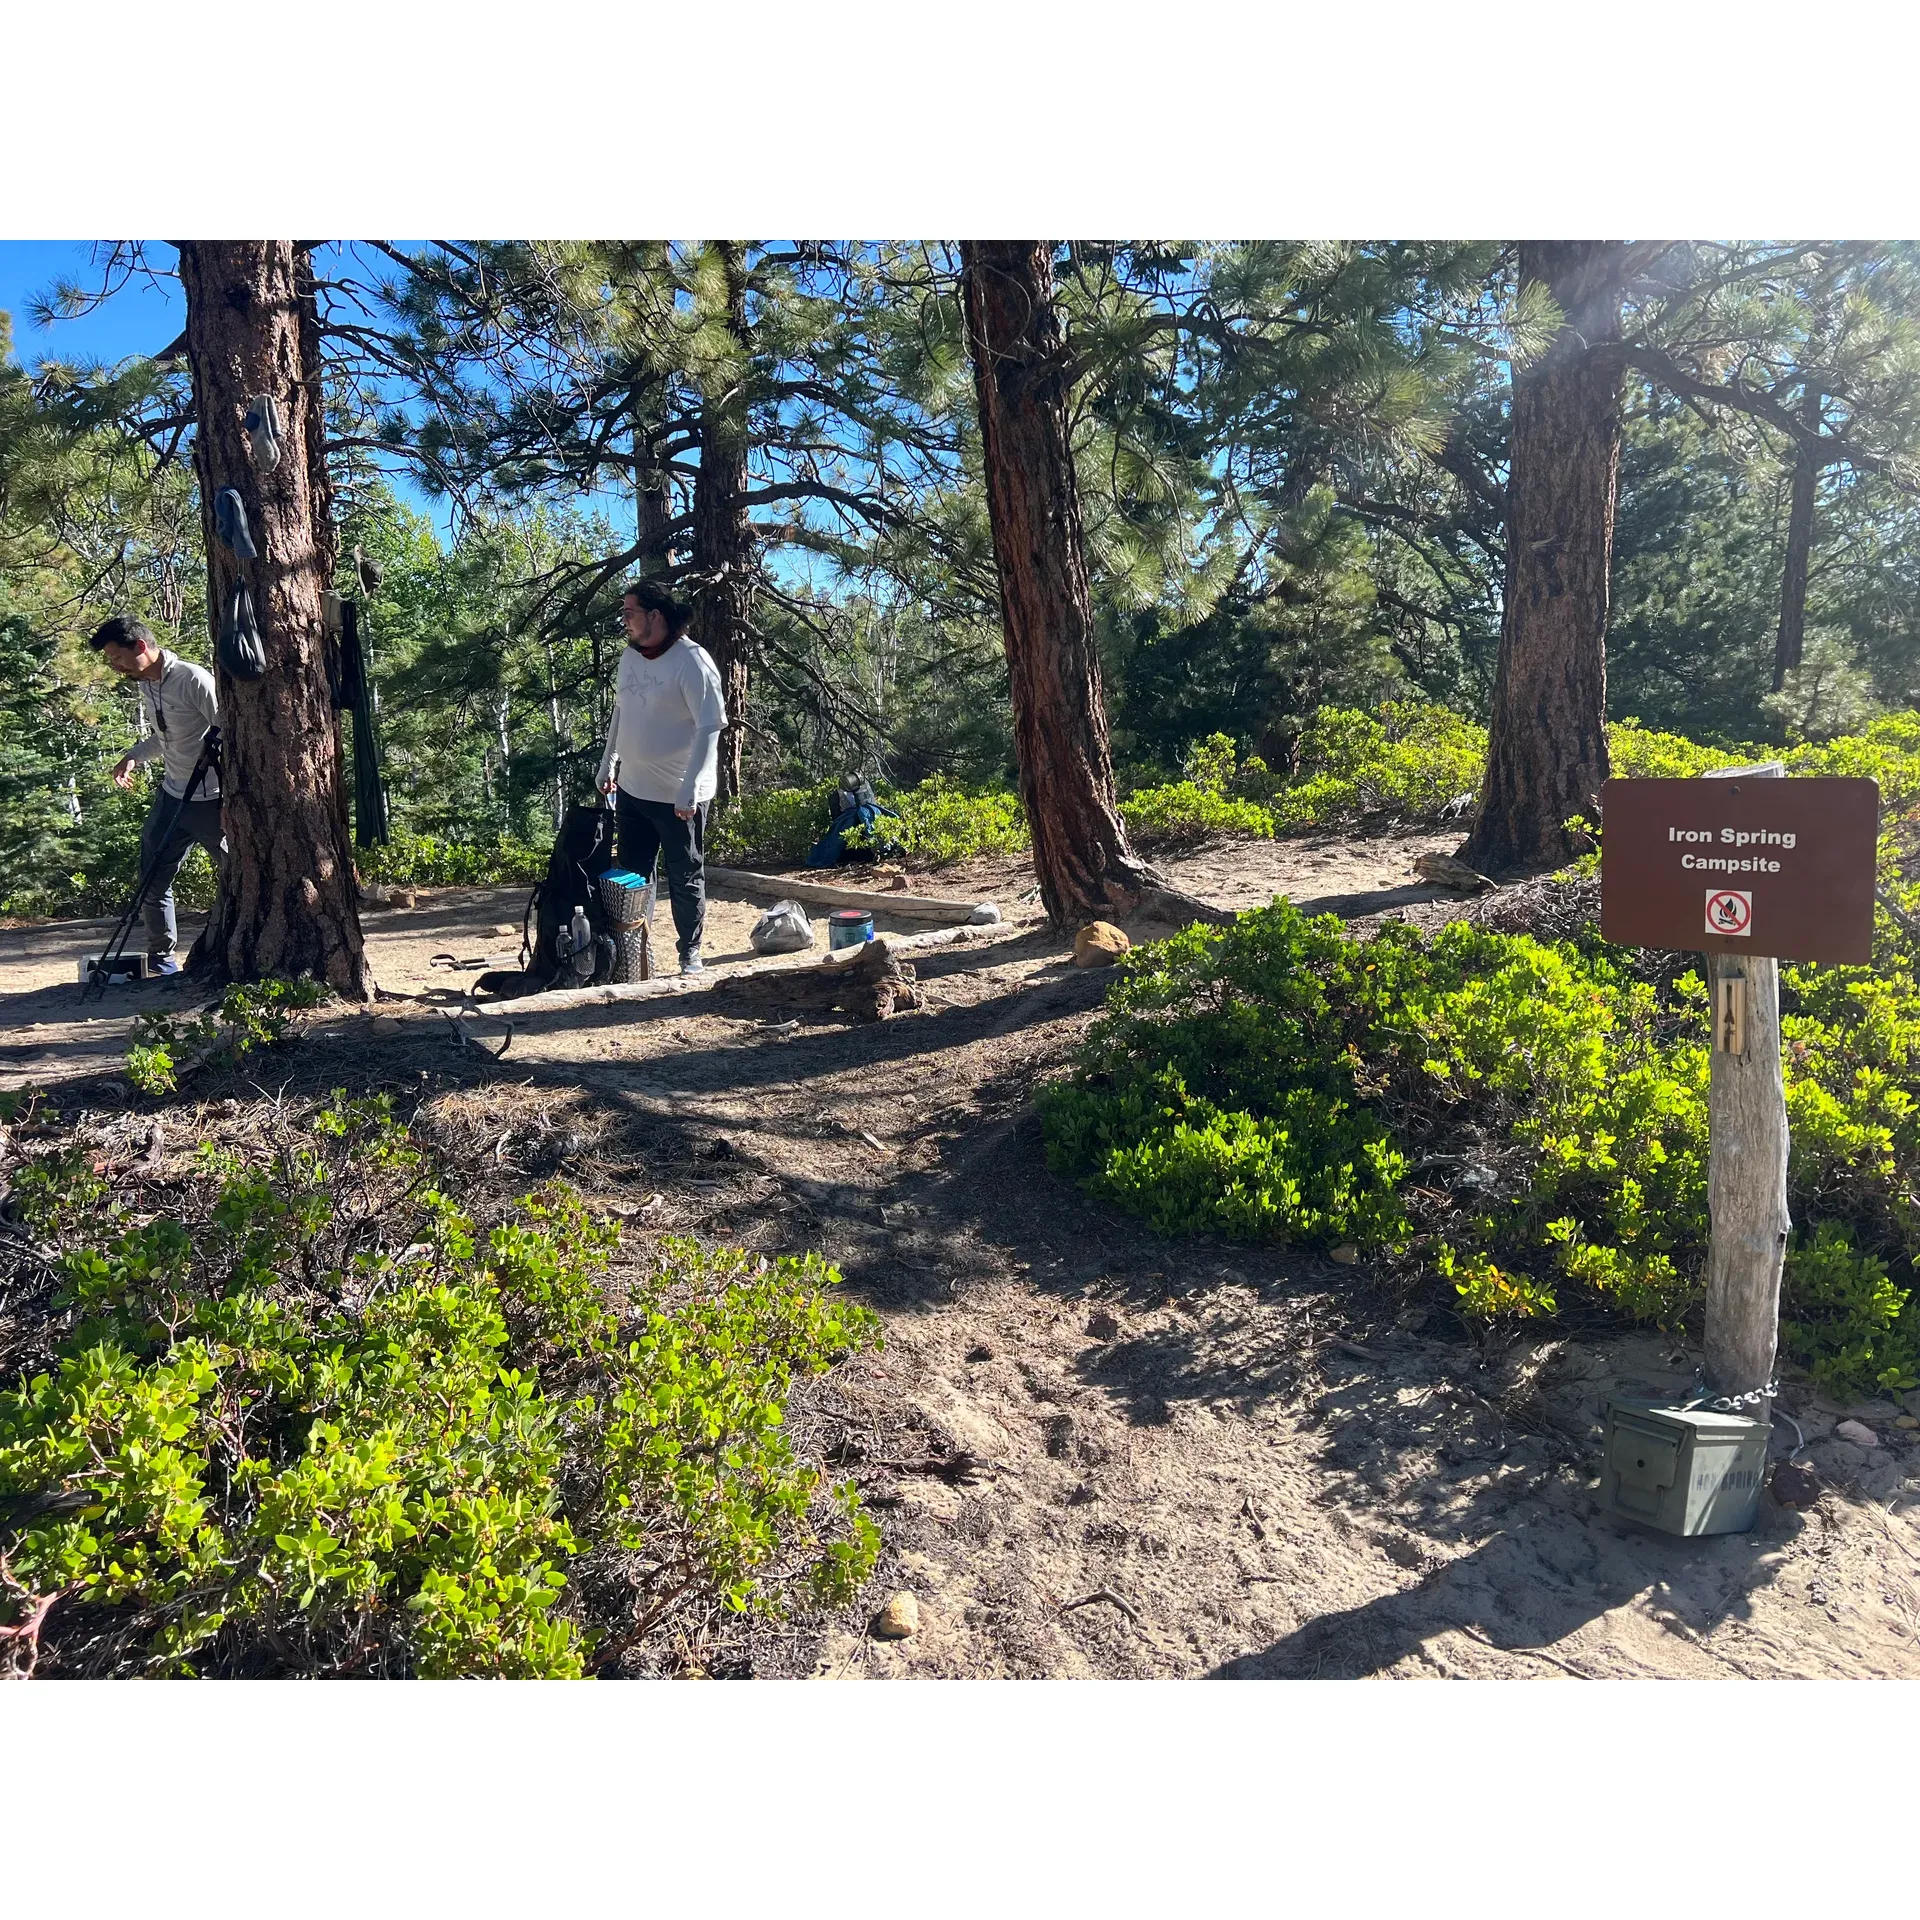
(1741, 864)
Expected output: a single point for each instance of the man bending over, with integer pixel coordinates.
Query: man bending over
(662, 757)
(181, 708)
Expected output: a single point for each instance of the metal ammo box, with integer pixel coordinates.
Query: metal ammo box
(129, 966)
(1683, 1469)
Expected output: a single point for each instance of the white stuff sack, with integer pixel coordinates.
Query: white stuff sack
(783, 928)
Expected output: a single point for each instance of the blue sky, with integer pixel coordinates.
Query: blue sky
(142, 316)
(148, 311)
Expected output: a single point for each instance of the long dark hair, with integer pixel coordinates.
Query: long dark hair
(654, 598)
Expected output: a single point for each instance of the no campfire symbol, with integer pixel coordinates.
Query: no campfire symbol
(1742, 863)
(1729, 913)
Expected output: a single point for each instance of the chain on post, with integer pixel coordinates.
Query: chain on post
(1731, 1402)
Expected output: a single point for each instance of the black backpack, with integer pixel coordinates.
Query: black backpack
(582, 852)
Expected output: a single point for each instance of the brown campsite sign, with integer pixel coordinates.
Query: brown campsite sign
(1783, 868)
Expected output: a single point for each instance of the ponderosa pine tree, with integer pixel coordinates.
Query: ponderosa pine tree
(1081, 856)
(1727, 547)
(724, 563)
(1243, 414)
(586, 367)
(1829, 375)
(1547, 744)
(287, 904)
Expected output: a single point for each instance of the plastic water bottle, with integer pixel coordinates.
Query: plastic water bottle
(580, 943)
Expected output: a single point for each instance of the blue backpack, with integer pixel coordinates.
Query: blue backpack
(858, 807)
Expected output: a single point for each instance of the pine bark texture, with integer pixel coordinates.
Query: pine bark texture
(326, 538)
(1080, 852)
(722, 539)
(653, 520)
(287, 903)
(1547, 746)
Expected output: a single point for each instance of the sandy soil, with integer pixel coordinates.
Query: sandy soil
(427, 955)
(1245, 1463)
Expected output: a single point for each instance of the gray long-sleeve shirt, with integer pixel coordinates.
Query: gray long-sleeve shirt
(181, 705)
(664, 738)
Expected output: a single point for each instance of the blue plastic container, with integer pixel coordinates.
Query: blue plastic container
(849, 927)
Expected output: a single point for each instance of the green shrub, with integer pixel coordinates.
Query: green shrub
(327, 1423)
(1185, 812)
(1850, 1326)
(1408, 762)
(424, 860)
(941, 822)
(1406, 765)
(255, 1014)
(1888, 751)
(773, 828)
(1530, 1121)
(1214, 799)
(1213, 764)
(1642, 753)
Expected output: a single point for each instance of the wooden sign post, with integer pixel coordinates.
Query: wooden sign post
(1746, 1165)
(1750, 868)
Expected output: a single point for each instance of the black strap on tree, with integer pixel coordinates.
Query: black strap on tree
(209, 762)
(353, 689)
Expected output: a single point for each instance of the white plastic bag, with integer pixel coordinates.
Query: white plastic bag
(783, 928)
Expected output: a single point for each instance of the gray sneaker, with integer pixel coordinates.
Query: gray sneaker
(690, 961)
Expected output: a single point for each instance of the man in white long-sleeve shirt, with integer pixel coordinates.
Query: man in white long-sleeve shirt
(662, 758)
(181, 708)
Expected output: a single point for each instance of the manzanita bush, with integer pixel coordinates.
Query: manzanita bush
(316, 1420)
(1528, 1121)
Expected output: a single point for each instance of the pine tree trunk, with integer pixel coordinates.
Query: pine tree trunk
(653, 512)
(722, 540)
(287, 901)
(1547, 750)
(1790, 642)
(1080, 852)
(326, 537)
(652, 500)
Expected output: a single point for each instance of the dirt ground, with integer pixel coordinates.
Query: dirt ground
(1094, 1453)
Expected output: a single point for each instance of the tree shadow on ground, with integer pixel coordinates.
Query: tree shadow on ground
(1360, 906)
(1525, 1590)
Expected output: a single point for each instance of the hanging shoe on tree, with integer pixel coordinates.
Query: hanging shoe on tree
(230, 522)
(262, 420)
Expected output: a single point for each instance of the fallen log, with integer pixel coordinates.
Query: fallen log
(818, 893)
(874, 985)
(669, 985)
(1443, 870)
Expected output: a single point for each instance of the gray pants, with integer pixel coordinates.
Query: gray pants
(198, 820)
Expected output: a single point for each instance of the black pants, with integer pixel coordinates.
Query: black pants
(198, 820)
(650, 827)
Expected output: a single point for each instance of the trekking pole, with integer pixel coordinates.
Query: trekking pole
(209, 758)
